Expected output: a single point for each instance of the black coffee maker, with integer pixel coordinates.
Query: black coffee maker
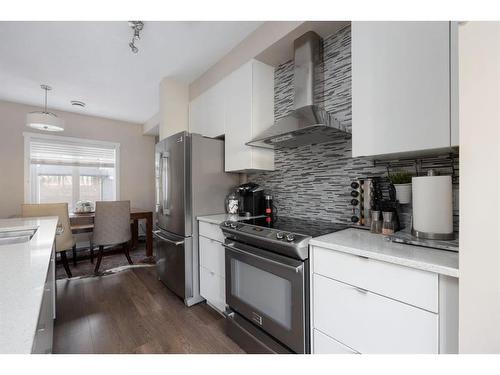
(251, 199)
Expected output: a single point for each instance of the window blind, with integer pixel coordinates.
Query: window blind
(59, 152)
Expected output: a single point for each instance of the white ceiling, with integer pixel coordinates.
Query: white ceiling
(92, 62)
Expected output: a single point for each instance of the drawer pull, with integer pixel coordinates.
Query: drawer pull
(362, 257)
(360, 290)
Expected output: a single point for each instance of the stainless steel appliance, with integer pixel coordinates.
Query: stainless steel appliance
(190, 181)
(309, 122)
(267, 282)
(251, 201)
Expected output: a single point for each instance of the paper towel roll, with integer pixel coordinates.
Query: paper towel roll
(432, 204)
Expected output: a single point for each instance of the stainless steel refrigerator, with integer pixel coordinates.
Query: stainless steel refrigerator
(190, 182)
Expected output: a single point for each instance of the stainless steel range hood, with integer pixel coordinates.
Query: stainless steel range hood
(308, 123)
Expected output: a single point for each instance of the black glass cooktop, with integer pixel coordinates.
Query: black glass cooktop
(307, 227)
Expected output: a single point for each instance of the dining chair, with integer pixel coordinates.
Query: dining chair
(64, 240)
(111, 227)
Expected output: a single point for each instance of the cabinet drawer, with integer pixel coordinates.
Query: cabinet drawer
(210, 230)
(409, 285)
(324, 344)
(370, 323)
(213, 288)
(212, 256)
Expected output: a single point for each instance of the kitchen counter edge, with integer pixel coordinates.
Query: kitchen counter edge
(375, 246)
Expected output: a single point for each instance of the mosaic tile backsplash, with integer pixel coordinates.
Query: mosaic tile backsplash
(313, 181)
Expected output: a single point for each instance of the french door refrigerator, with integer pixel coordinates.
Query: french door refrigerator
(190, 182)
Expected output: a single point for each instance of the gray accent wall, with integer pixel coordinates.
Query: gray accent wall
(313, 181)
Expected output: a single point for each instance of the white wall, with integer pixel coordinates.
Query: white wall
(479, 82)
(136, 154)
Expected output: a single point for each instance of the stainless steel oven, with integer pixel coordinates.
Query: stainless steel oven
(267, 295)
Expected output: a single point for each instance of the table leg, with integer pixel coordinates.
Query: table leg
(149, 235)
(135, 233)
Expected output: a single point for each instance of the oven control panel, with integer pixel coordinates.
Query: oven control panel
(268, 233)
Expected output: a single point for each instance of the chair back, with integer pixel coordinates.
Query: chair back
(65, 240)
(111, 223)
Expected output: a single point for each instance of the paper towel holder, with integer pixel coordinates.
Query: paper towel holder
(431, 236)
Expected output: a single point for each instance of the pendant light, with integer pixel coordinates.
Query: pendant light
(45, 120)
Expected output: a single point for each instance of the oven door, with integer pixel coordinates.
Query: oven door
(269, 290)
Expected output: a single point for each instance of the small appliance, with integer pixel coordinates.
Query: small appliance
(251, 202)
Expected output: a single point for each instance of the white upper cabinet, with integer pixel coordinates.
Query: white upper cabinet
(206, 112)
(240, 106)
(403, 79)
(249, 111)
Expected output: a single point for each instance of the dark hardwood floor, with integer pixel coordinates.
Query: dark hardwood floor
(132, 312)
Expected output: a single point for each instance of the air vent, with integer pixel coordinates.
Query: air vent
(78, 103)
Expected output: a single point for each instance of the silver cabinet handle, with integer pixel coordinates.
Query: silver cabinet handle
(156, 233)
(360, 290)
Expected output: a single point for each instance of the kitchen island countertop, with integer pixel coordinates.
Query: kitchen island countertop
(23, 272)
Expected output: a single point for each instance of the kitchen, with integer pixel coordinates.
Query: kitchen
(308, 190)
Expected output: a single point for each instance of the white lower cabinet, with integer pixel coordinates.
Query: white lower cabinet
(212, 288)
(369, 306)
(42, 343)
(212, 265)
(371, 323)
(324, 344)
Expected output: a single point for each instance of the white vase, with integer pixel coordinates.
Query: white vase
(403, 193)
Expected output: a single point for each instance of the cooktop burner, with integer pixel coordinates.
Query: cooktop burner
(306, 227)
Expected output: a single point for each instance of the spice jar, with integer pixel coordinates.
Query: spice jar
(388, 224)
(376, 224)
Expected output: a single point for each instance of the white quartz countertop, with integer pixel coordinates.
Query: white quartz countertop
(219, 218)
(23, 271)
(376, 246)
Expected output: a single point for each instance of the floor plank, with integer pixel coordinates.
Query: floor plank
(132, 312)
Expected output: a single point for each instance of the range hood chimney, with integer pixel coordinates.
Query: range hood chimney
(309, 122)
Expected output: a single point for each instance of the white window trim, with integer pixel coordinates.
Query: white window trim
(28, 136)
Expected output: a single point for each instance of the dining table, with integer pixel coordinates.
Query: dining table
(83, 222)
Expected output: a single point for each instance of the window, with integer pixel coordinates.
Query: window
(63, 169)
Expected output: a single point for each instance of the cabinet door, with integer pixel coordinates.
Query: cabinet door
(212, 256)
(238, 156)
(212, 288)
(369, 323)
(400, 87)
(324, 344)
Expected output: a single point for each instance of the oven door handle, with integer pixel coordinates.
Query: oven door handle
(230, 246)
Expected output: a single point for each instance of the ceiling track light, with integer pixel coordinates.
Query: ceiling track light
(45, 120)
(137, 27)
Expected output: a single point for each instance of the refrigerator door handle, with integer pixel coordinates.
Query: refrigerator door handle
(165, 183)
(157, 234)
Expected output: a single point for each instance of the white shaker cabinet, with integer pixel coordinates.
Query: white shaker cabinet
(403, 87)
(249, 111)
(212, 265)
(206, 112)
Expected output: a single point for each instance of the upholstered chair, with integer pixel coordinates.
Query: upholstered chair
(64, 241)
(111, 227)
